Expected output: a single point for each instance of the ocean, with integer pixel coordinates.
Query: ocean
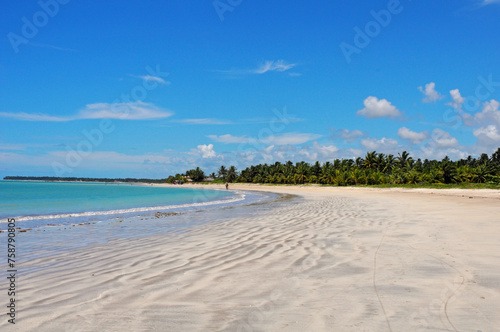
(55, 217)
(65, 202)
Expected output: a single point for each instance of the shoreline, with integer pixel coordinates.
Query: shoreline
(458, 192)
(198, 202)
(338, 258)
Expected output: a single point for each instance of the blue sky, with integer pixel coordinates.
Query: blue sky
(148, 89)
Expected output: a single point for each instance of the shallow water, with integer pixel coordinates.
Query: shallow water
(38, 239)
(32, 198)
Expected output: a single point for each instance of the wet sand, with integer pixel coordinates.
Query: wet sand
(331, 259)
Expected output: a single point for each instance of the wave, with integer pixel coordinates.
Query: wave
(237, 197)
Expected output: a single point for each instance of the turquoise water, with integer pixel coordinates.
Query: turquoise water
(43, 200)
(60, 217)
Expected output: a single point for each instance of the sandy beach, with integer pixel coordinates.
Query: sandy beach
(328, 259)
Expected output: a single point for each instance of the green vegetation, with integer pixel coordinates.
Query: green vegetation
(196, 174)
(376, 169)
(75, 179)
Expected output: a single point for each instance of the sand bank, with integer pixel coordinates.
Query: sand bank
(332, 259)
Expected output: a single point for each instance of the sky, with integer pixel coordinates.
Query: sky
(153, 88)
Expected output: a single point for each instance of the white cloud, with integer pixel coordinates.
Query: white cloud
(121, 111)
(431, 95)
(267, 66)
(443, 139)
(489, 132)
(354, 153)
(279, 65)
(458, 100)
(489, 2)
(383, 144)
(26, 146)
(230, 139)
(151, 78)
(107, 157)
(414, 137)
(307, 154)
(429, 151)
(283, 139)
(442, 144)
(206, 151)
(375, 108)
(348, 135)
(204, 121)
(290, 138)
(312, 153)
(326, 151)
(54, 47)
(33, 117)
(490, 113)
(12, 146)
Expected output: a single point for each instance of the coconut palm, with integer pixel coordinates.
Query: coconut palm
(375, 168)
(402, 159)
(413, 177)
(370, 160)
(196, 174)
(222, 172)
(231, 174)
(448, 171)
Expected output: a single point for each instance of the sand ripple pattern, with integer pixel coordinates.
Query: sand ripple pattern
(326, 262)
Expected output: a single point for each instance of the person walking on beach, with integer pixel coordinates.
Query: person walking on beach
(227, 186)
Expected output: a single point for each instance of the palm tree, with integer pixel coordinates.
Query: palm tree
(222, 172)
(448, 171)
(376, 178)
(466, 174)
(495, 157)
(316, 169)
(301, 173)
(358, 176)
(483, 172)
(402, 159)
(342, 178)
(327, 175)
(389, 163)
(196, 174)
(413, 177)
(370, 160)
(380, 161)
(375, 168)
(231, 174)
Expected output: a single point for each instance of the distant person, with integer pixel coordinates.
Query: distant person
(227, 186)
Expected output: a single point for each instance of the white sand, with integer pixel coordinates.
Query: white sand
(339, 259)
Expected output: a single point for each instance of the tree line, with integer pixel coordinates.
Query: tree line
(76, 179)
(375, 168)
